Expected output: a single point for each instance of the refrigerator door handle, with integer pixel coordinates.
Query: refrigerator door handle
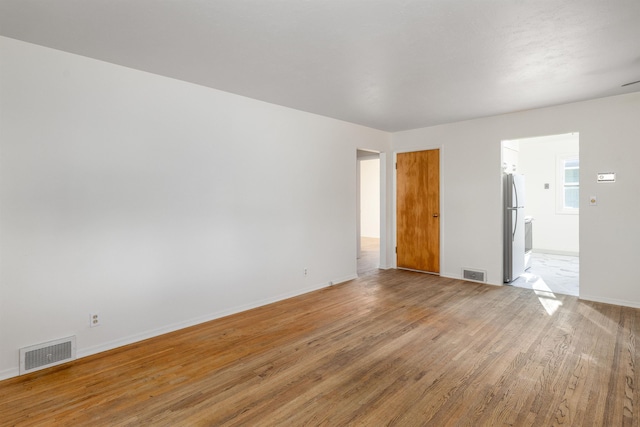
(515, 227)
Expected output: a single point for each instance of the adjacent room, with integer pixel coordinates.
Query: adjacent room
(550, 167)
(368, 211)
(188, 222)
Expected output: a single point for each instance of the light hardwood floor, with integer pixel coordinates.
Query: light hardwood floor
(390, 348)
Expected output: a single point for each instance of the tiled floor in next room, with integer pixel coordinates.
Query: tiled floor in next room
(551, 273)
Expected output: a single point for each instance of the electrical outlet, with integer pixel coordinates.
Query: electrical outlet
(306, 272)
(94, 320)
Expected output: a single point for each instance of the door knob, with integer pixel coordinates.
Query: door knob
(435, 215)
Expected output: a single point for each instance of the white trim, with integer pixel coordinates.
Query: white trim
(358, 208)
(9, 373)
(131, 339)
(338, 281)
(382, 256)
(612, 301)
(459, 277)
(202, 319)
(382, 162)
(560, 168)
(555, 252)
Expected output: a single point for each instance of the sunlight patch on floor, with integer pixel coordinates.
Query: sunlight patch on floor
(546, 297)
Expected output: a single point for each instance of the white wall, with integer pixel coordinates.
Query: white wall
(471, 178)
(553, 232)
(157, 202)
(370, 197)
(162, 204)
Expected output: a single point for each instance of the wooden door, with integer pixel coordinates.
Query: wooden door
(418, 210)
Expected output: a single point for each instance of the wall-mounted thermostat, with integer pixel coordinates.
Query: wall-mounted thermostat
(607, 177)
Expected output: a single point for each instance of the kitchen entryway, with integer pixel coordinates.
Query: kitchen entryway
(551, 169)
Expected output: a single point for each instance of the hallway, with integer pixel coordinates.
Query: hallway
(369, 259)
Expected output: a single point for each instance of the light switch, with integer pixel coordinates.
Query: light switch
(593, 201)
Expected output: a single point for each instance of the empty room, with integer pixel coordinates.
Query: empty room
(180, 212)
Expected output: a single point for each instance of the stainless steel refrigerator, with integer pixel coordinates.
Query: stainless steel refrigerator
(514, 233)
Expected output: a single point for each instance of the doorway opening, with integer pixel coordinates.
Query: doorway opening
(368, 211)
(551, 169)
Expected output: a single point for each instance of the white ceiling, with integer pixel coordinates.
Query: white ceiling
(387, 64)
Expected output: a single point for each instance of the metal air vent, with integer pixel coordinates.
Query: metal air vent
(45, 355)
(475, 275)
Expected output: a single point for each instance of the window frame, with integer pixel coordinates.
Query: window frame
(561, 185)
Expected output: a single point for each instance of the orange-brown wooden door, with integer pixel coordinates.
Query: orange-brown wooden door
(418, 210)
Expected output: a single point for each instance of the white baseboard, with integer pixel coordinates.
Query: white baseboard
(88, 351)
(624, 303)
(344, 279)
(554, 252)
(451, 276)
(459, 277)
(9, 373)
(198, 320)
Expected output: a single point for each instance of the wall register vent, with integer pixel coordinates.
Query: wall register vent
(475, 275)
(45, 355)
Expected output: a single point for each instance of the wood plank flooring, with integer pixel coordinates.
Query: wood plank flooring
(391, 348)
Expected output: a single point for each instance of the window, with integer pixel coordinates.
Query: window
(568, 184)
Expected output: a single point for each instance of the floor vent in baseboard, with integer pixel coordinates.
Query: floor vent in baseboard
(475, 275)
(45, 355)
